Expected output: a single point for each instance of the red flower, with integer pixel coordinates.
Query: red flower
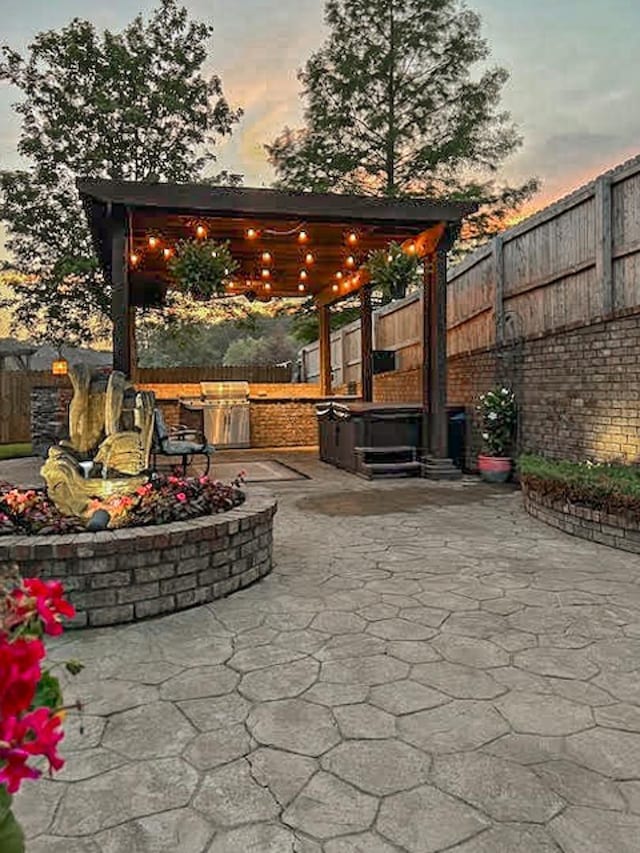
(19, 674)
(43, 598)
(181, 497)
(44, 734)
(14, 768)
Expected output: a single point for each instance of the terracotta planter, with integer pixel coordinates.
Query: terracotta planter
(495, 469)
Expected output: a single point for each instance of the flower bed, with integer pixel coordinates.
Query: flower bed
(592, 501)
(164, 499)
(131, 573)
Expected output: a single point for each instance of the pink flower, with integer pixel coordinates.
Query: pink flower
(181, 497)
(36, 733)
(19, 674)
(14, 768)
(45, 599)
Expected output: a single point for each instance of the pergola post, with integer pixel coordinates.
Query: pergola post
(122, 314)
(366, 344)
(324, 317)
(437, 464)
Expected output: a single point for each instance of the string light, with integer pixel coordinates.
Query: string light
(390, 258)
(304, 275)
(266, 257)
(335, 288)
(167, 253)
(303, 237)
(214, 254)
(153, 242)
(350, 262)
(267, 286)
(338, 275)
(251, 233)
(301, 287)
(201, 232)
(352, 239)
(266, 274)
(309, 259)
(411, 248)
(134, 259)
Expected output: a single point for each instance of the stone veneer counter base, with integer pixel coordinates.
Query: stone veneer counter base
(125, 575)
(616, 531)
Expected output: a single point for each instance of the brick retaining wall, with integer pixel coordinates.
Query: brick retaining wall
(617, 531)
(133, 573)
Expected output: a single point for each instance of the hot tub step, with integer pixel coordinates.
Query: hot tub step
(379, 470)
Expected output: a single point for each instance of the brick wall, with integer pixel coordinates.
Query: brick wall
(134, 573)
(284, 424)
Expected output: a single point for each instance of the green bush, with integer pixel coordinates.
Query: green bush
(613, 488)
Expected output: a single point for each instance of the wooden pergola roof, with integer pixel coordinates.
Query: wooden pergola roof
(311, 244)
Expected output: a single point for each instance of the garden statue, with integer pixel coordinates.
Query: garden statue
(110, 436)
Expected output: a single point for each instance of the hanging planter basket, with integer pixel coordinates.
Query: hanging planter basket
(392, 271)
(202, 269)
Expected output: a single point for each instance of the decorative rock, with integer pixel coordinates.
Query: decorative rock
(425, 820)
(294, 725)
(378, 767)
(98, 521)
(503, 790)
(327, 806)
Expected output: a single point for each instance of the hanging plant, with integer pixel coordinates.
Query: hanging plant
(392, 271)
(202, 268)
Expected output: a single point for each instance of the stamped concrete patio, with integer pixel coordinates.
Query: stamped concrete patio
(427, 669)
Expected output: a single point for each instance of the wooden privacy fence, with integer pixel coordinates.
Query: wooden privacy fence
(254, 373)
(15, 401)
(572, 264)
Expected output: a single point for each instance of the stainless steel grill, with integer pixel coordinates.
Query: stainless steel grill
(225, 411)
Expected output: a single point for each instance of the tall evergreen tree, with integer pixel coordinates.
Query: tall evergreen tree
(131, 105)
(392, 108)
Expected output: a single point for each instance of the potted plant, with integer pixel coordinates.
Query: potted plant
(202, 268)
(497, 410)
(392, 271)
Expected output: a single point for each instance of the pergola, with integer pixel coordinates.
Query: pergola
(291, 245)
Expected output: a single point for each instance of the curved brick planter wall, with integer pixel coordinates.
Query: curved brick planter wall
(614, 530)
(125, 575)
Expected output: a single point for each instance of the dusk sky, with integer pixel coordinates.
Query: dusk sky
(574, 64)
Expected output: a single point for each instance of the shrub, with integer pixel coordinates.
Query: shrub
(498, 415)
(612, 488)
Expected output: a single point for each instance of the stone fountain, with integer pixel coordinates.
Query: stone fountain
(110, 436)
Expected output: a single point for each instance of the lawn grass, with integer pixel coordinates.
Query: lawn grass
(15, 451)
(611, 487)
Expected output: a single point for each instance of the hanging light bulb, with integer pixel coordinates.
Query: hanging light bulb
(267, 286)
(231, 285)
(251, 233)
(352, 239)
(303, 237)
(214, 254)
(411, 248)
(133, 258)
(338, 275)
(153, 242)
(304, 275)
(335, 288)
(266, 274)
(167, 253)
(350, 262)
(201, 232)
(309, 259)
(266, 257)
(301, 287)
